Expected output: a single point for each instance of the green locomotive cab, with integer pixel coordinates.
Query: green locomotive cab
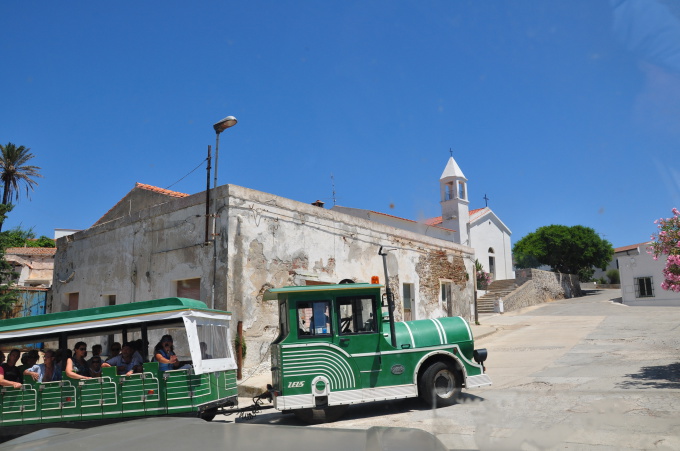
(335, 348)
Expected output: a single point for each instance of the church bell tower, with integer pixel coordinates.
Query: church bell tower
(454, 201)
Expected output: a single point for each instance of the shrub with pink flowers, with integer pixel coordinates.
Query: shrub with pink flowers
(483, 277)
(667, 242)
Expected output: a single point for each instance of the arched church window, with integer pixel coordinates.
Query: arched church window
(491, 250)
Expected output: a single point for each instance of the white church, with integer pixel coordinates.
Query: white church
(479, 229)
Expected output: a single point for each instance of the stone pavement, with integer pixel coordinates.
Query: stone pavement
(256, 384)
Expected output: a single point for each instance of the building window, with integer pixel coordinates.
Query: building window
(189, 288)
(407, 298)
(73, 301)
(644, 287)
(445, 296)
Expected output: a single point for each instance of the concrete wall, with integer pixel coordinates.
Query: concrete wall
(262, 241)
(537, 287)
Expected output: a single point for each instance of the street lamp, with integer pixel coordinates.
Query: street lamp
(219, 127)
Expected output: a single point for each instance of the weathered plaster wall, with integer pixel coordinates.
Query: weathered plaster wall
(276, 242)
(537, 287)
(136, 257)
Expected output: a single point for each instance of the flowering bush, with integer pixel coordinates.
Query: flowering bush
(483, 278)
(667, 242)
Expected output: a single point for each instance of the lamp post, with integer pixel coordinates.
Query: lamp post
(219, 127)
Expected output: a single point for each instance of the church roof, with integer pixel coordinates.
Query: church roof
(474, 214)
(452, 170)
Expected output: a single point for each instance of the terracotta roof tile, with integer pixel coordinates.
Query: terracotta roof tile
(156, 189)
(42, 251)
(438, 220)
(146, 187)
(632, 247)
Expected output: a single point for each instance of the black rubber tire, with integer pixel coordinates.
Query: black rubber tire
(208, 414)
(440, 385)
(323, 415)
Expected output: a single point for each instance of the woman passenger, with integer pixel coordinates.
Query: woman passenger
(76, 366)
(164, 354)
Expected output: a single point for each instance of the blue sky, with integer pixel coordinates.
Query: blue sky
(561, 112)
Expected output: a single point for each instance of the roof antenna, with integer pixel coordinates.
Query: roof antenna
(333, 184)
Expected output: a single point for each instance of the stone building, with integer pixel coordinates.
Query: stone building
(33, 265)
(153, 244)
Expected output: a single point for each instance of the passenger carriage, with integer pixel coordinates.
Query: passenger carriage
(201, 390)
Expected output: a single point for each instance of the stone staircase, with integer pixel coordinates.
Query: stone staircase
(496, 289)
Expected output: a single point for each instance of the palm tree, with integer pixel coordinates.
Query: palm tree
(14, 171)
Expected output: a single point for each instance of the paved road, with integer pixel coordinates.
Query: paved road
(583, 373)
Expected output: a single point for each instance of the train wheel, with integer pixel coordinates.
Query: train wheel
(440, 385)
(323, 415)
(208, 414)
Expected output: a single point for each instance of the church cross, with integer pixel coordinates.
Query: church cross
(486, 199)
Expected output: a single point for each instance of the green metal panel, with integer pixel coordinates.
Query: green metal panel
(112, 406)
(329, 290)
(16, 404)
(154, 404)
(51, 396)
(91, 400)
(70, 399)
(179, 387)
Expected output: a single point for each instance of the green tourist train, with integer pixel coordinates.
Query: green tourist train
(339, 345)
(204, 383)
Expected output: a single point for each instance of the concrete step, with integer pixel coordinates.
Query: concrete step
(493, 296)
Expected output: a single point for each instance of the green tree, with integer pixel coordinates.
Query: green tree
(14, 172)
(18, 237)
(569, 250)
(8, 296)
(614, 276)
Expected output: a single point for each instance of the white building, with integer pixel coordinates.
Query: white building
(479, 229)
(641, 277)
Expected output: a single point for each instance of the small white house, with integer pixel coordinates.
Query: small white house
(641, 277)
